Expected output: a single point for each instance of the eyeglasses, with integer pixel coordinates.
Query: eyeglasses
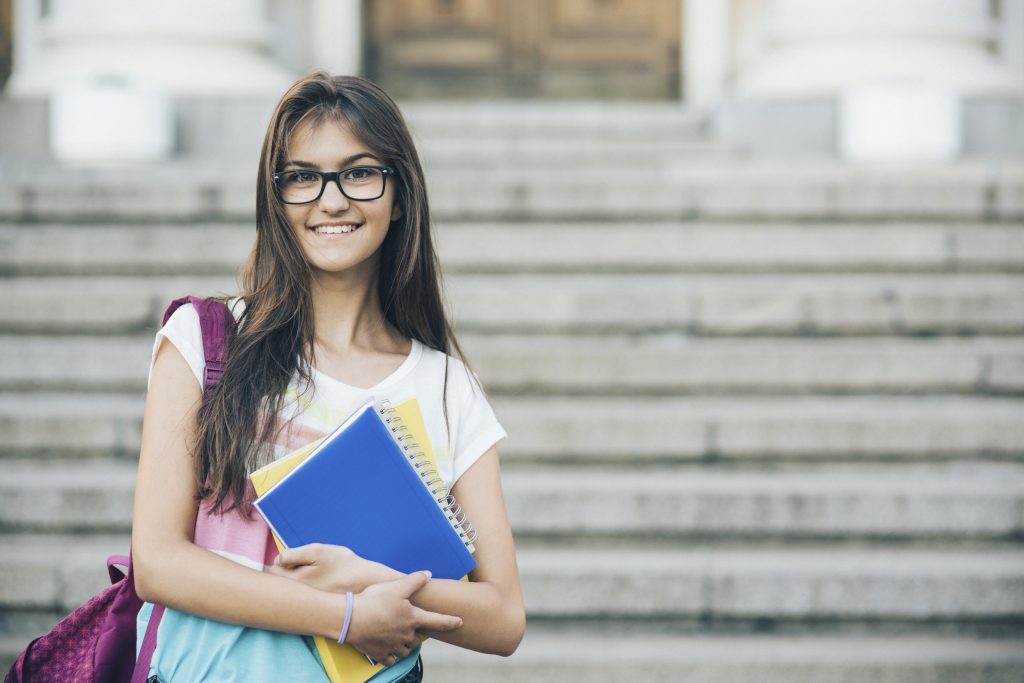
(359, 183)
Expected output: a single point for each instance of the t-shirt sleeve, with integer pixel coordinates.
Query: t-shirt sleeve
(478, 428)
(183, 330)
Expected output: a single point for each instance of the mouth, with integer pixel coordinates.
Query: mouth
(335, 229)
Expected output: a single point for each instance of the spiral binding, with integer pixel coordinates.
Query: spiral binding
(430, 476)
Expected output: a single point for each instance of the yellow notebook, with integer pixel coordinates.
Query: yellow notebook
(344, 663)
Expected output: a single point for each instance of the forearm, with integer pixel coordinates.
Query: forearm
(191, 579)
(492, 622)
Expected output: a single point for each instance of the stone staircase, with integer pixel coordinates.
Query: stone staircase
(767, 419)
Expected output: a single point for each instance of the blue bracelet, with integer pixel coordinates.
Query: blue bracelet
(348, 617)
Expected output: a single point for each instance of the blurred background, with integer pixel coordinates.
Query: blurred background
(745, 279)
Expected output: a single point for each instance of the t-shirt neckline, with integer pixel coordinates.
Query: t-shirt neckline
(408, 364)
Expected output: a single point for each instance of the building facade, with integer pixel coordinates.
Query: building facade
(838, 78)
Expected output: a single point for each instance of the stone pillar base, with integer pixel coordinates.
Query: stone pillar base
(186, 47)
(990, 126)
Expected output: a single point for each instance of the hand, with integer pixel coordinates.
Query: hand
(331, 568)
(385, 624)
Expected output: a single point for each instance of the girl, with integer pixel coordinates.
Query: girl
(341, 301)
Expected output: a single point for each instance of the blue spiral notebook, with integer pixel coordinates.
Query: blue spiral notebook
(365, 489)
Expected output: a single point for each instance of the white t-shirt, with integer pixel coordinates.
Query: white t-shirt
(473, 425)
(193, 648)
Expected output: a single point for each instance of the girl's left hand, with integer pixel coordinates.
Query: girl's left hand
(331, 568)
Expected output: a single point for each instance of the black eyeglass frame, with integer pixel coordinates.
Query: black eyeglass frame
(326, 177)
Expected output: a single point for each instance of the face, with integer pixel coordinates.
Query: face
(318, 225)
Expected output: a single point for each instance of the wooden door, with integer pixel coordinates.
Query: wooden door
(525, 48)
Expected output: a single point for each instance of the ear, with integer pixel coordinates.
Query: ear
(396, 212)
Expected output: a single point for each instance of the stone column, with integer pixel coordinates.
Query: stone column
(336, 36)
(706, 51)
(1011, 42)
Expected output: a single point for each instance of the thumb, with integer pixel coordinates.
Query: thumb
(413, 582)
(295, 557)
(433, 621)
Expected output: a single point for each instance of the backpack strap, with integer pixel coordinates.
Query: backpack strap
(148, 646)
(218, 326)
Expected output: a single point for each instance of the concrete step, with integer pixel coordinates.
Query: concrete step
(926, 502)
(826, 584)
(492, 152)
(701, 246)
(592, 429)
(921, 501)
(588, 429)
(219, 248)
(99, 425)
(553, 656)
(735, 304)
(59, 496)
(556, 656)
(609, 365)
(585, 120)
(724, 189)
(670, 189)
(830, 583)
(777, 304)
(53, 573)
(230, 130)
(675, 364)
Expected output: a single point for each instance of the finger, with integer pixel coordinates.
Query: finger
(434, 621)
(297, 571)
(295, 557)
(412, 583)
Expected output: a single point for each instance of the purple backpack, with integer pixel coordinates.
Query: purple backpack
(96, 642)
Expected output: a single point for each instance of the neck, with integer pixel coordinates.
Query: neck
(347, 313)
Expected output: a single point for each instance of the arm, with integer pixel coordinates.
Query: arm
(170, 569)
(490, 604)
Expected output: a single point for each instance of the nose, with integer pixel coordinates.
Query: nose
(333, 199)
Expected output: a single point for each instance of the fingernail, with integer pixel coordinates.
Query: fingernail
(426, 572)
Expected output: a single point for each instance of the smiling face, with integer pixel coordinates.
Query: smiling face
(339, 237)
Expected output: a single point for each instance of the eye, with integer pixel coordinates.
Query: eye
(300, 177)
(361, 174)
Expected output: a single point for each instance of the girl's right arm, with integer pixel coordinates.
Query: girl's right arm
(171, 570)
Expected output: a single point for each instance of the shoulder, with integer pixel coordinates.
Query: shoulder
(236, 304)
(448, 369)
(182, 327)
(184, 331)
(183, 324)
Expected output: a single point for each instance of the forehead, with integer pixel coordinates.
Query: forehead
(325, 141)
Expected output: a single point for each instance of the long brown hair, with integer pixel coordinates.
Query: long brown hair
(274, 342)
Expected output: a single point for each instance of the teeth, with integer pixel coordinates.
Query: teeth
(334, 229)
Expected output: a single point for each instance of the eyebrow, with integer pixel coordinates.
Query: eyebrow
(344, 162)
